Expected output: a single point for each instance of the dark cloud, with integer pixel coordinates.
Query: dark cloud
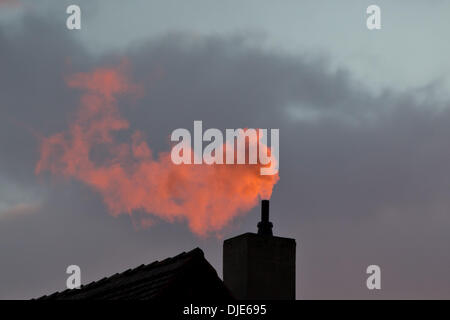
(362, 182)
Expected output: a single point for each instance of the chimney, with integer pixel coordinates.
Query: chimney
(259, 265)
(265, 226)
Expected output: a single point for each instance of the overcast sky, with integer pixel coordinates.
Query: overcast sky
(364, 125)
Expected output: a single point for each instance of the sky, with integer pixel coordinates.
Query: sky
(364, 125)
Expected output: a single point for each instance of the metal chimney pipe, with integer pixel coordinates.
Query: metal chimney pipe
(265, 226)
(265, 210)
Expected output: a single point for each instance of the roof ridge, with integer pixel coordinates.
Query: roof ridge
(130, 271)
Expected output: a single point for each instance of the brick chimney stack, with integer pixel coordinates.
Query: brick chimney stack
(260, 265)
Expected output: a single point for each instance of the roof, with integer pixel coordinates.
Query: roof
(185, 276)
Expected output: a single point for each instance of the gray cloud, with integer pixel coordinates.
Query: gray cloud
(362, 182)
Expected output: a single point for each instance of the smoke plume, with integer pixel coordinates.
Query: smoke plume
(130, 178)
